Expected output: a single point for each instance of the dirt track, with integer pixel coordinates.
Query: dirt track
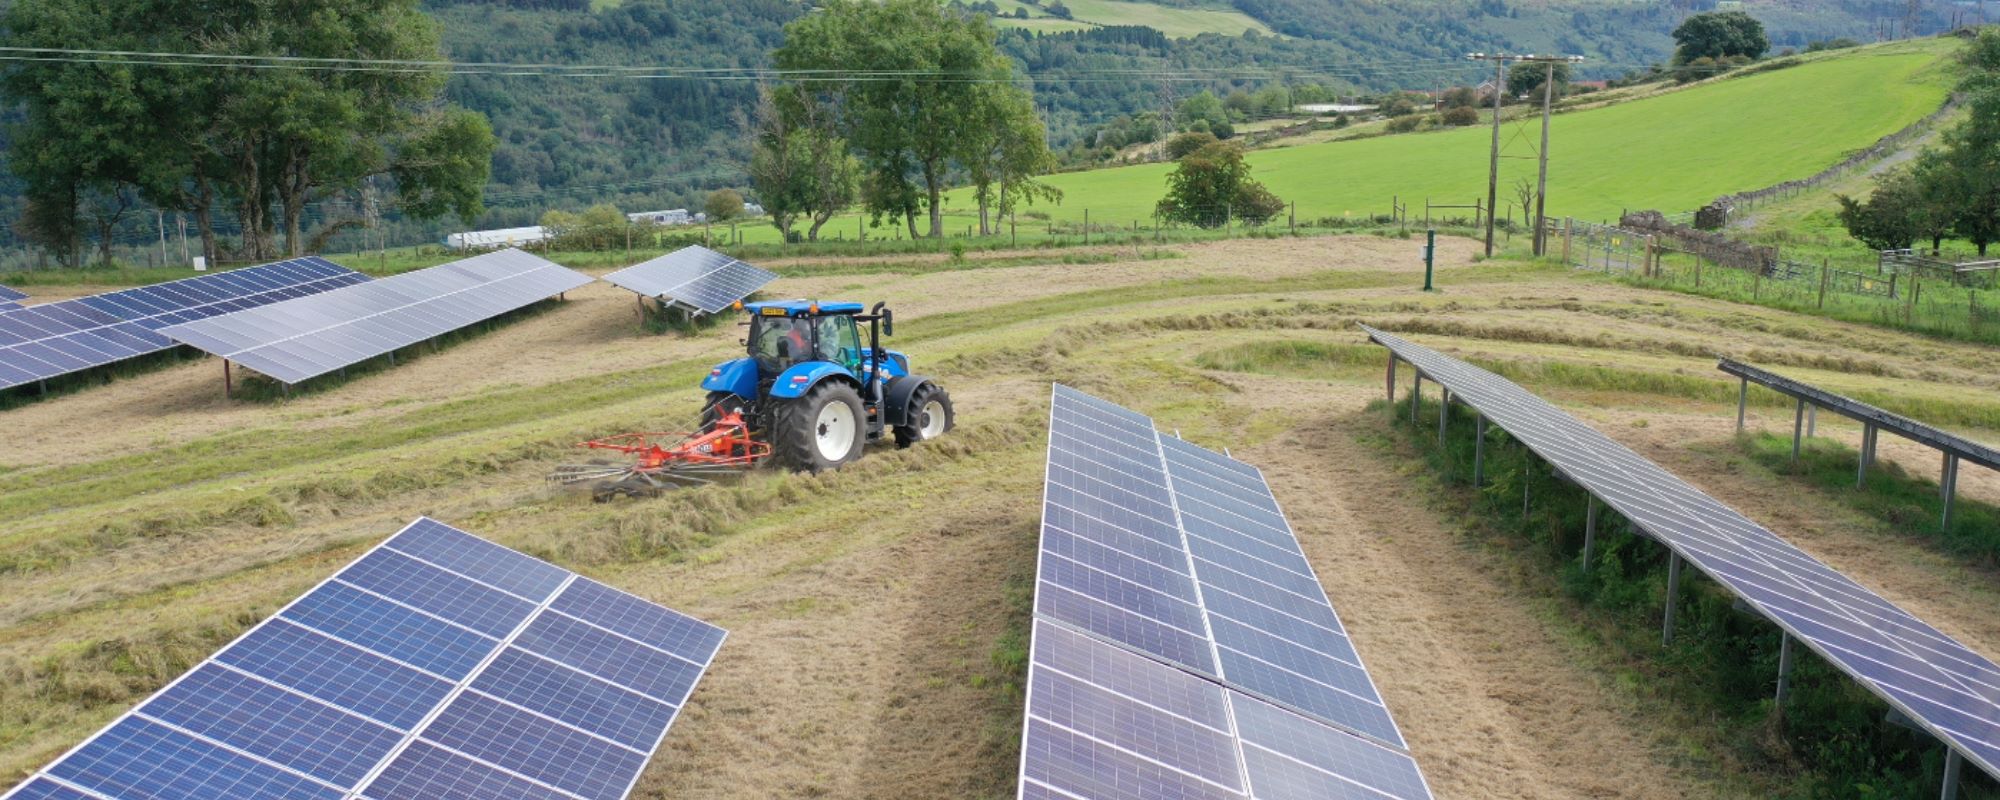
(870, 611)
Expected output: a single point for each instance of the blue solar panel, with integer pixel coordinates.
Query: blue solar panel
(1944, 686)
(436, 665)
(12, 295)
(693, 276)
(1171, 589)
(312, 336)
(43, 341)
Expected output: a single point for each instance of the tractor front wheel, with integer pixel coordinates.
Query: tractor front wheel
(929, 416)
(822, 430)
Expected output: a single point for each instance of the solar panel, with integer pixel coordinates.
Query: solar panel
(1183, 646)
(43, 341)
(312, 336)
(10, 298)
(1941, 684)
(437, 665)
(1916, 431)
(693, 276)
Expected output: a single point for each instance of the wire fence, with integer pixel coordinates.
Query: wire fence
(1905, 300)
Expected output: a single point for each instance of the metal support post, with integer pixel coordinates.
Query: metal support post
(1673, 597)
(1952, 764)
(1590, 532)
(1392, 377)
(1444, 413)
(1479, 452)
(1798, 428)
(1416, 396)
(1525, 480)
(1948, 486)
(1867, 458)
(228, 383)
(1812, 421)
(1742, 402)
(1784, 667)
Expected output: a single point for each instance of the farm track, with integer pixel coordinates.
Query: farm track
(874, 612)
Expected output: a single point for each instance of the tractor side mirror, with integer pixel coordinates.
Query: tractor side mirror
(888, 318)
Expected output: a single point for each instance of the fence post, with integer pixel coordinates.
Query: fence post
(1825, 273)
(1295, 217)
(1697, 270)
(1569, 233)
(1892, 284)
(1757, 285)
(1086, 226)
(1651, 243)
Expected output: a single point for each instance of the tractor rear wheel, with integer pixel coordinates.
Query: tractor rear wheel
(929, 417)
(822, 430)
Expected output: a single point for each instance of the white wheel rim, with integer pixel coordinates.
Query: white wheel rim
(933, 420)
(835, 431)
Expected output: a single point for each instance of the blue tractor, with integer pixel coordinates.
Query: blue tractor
(814, 391)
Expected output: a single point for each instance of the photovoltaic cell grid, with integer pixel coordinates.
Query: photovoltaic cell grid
(694, 276)
(50, 339)
(1183, 646)
(1916, 431)
(10, 298)
(438, 665)
(311, 336)
(1941, 684)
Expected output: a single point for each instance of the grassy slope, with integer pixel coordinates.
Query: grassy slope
(1180, 23)
(1673, 152)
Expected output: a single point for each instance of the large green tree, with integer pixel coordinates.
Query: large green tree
(1004, 156)
(915, 84)
(267, 137)
(1212, 186)
(1719, 35)
(799, 164)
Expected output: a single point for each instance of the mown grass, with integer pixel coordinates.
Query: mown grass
(1672, 152)
(1905, 504)
(1716, 679)
(1176, 22)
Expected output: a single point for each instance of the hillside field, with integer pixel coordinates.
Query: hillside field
(1175, 22)
(877, 614)
(1672, 152)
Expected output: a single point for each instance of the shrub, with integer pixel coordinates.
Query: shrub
(1406, 123)
(1189, 142)
(1460, 116)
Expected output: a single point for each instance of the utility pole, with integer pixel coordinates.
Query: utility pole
(1542, 182)
(1493, 168)
(1500, 61)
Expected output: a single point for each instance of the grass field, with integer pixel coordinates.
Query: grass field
(877, 614)
(1672, 152)
(1178, 23)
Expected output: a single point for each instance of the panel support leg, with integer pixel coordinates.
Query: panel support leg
(1812, 421)
(1952, 763)
(1742, 402)
(1784, 668)
(1867, 455)
(1526, 479)
(1416, 396)
(1948, 486)
(1479, 452)
(1589, 532)
(228, 381)
(1798, 429)
(392, 358)
(1444, 413)
(1392, 377)
(1673, 597)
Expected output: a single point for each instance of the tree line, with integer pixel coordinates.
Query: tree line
(1951, 191)
(102, 136)
(916, 97)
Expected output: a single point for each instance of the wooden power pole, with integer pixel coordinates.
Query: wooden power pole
(1500, 61)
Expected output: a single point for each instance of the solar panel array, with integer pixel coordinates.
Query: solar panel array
(1939, 683)
(10, 298)
(1183, 645)
(438, 665)
(1916, 431)
(694, 276)
(50, 339)
(311, 336)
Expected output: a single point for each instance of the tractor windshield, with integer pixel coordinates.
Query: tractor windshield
(779, 342)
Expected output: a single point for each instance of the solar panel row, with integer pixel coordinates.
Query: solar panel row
(50, 339)
(10, 298)
(1940, 683)
(1916, 431)
(1184, 646)
(311, 336)
(438, 665)
(694, 276)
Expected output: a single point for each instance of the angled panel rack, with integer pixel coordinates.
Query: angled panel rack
(437, 665)
(1943, 686)
(693, 277)
(1183, 646)
(305, 338)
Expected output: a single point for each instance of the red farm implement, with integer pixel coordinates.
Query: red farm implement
(662, 461)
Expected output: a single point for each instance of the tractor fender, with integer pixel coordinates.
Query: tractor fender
(896, 400)
(738, 377)
(801, 378)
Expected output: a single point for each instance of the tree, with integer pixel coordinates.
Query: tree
(1460, 97)
(908, 133)
(1460, 116)
(1179, 146)
(723, 205)
(1890, 218)
(1525, 79)
(799, 165)
(1203, 107)
(1003, 156)
(1058, 10)
(1964, 175)
(1719, 35)
(1212, 185)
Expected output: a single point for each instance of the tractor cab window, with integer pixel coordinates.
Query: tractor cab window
(779, 342)
(839, 342)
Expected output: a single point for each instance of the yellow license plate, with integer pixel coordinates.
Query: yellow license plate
(774, 312)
